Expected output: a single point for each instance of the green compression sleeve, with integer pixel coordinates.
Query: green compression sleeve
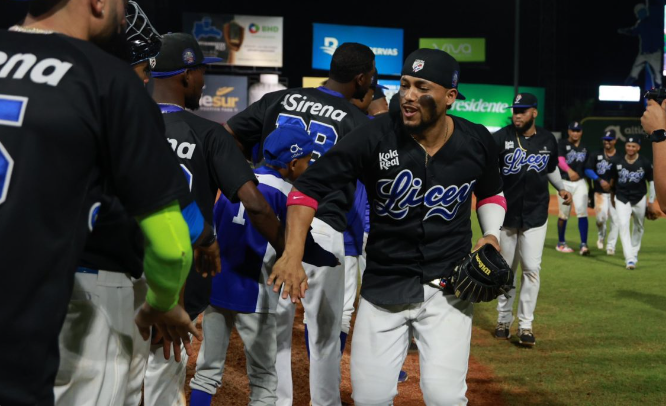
(168, 255)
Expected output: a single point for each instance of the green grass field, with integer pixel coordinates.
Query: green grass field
(600, 329)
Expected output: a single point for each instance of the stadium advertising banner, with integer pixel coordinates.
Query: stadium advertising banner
(489, 104)
(463, 49)
(386, 43)
(223, 97)
(239, 40)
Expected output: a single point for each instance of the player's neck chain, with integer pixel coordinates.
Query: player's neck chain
(446, 138)
(29, 30)
(631, 161)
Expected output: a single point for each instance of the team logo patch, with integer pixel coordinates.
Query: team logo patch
(418, 65)
(518, 98)
(508, 145)
(295, 150)
(152, 62)
(188, 56)
(388, 159)
(454, 80)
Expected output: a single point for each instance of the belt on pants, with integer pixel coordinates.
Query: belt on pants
(83, 269)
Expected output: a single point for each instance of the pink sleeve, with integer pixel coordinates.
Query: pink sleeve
(562, 164)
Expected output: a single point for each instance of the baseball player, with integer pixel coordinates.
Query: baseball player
(81, 121)
(572, 157)
(327, 114)
(420, 167)
(598, 168)
(528, 161)
(240, 297)
(212, 161)
(631, 175)
(654, 122)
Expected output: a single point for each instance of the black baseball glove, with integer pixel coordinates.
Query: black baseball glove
(482, 276)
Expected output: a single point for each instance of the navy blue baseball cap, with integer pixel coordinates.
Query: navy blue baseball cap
(434, 65)
(575, 126)
(524, 101)
(609, 135)
(286, 143)
(179, 52)
(634, 139)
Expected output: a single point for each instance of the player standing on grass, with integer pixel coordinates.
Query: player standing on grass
(420, 167)
(528, 161)
(572, 167)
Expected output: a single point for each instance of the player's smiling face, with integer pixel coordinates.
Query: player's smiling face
(609, 145)
(632, 148)
(575, 135)
(423, 102)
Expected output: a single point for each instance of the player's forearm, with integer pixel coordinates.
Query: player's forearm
(562, 164)
(491, 212)
(591, 174)
(168, 255)
(659, 152)
(555, 179)
(262, 216)
(299, 219)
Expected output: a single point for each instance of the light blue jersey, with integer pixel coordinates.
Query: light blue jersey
(247, 257)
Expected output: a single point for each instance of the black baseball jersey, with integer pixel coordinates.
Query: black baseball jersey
(574, 155)
(326, 115)
(210, 160)
(631, 179)
(602, 165)
(420, 205)
(525, 163)
(71, 116)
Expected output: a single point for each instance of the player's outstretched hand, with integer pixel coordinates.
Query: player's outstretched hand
(290, 272)
(566, 196)
(207, 260)
(174, 325)
(489, 239)
(651, 213)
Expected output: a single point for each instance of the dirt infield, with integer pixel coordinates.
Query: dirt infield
(482, 388)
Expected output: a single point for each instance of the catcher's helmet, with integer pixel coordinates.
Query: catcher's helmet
(144, 41)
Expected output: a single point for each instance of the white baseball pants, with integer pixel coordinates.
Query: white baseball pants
(579, 192)
(164, 382)
(604, 210)
(257, 330)
(442, 329)
(139, 361)
(96, 341)
(631, 240)
(323, 304)
(524, 248)
(352, 270)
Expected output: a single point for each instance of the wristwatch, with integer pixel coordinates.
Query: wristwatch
(208, 241)
(657, 136)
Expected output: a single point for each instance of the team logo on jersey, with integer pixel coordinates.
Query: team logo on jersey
(627, 176)
(184, 150)
(515, 162)
(508, 145)
(188, 56)
(93, 214)
(418, 65)
(396, 196)
(603, 167)
(49, 71)
(388, 159)
(573, 156)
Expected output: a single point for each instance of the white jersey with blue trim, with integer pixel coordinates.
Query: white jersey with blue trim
(247, 257)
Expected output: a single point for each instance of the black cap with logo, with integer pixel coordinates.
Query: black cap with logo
(179, 52)
(434, 65)
(524, 101)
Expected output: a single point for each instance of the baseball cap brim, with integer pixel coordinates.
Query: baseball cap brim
(522, 106)
(211, 59)
(608, 138)
(460, 96)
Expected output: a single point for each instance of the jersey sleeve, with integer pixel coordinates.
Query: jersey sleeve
(590, 162)
(561, 148)
(248, 124)
(138, 161)
(228, 168)
(649, 171)
(342, 165)
(490, 182)
(554, 155)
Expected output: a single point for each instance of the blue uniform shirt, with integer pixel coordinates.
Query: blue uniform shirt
(247, 258)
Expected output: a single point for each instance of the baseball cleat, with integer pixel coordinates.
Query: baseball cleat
(584, 250)
(502, 331)
(610, 251)
(600, 244)
(403, 376)
(526, 337)
(563, 248)
(631, 265)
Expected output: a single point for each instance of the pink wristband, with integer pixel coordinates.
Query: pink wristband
(497, 199)
(300, 199)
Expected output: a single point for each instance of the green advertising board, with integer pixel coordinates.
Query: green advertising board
(463, 49)
(489, 104)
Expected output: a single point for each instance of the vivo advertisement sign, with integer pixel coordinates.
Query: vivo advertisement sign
(386, 43)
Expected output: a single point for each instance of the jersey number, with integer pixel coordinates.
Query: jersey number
(324, 135)
(238, 218)
(6, 166)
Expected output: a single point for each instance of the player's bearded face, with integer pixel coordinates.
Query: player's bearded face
(421, 103)
(523, 119)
